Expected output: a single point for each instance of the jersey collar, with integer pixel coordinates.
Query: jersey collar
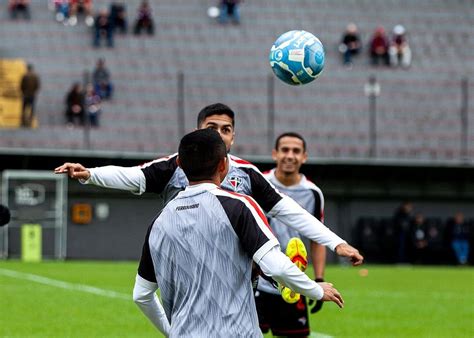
(278, 184)
(196, 189)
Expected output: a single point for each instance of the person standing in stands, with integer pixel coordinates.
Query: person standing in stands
(75, 106)
(30, 85)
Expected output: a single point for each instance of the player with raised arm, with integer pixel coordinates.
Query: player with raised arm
(163, 176)
(201, 247)
(289, 317)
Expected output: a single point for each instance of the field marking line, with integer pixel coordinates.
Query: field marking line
(315, 334)
(65, 285)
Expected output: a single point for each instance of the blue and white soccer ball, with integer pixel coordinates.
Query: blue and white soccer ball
(297, 57)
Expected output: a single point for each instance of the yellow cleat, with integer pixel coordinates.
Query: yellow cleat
(297, 253)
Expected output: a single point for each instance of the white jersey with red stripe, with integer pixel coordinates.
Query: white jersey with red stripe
(163, 176)
(308, 196)
(201, 246)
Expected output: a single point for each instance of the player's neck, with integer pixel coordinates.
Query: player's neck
(215, 181)
(287, 179)
(205, 181)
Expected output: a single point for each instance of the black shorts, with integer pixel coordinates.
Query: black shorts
(282, 318)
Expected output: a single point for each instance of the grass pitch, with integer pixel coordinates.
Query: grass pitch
(93, 299)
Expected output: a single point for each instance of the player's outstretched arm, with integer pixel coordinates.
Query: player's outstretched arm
(144, 295)
(293, 215)
(345, 250)
(123, 178)
(278, 266)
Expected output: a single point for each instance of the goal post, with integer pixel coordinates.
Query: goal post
(34, 197)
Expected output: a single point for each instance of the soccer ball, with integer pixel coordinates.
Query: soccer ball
(297, 57)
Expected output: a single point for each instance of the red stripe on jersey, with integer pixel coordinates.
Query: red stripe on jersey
(254, 205)
(259, 211)
(239, 160)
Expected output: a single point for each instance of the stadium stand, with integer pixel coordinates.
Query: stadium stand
(418, 111)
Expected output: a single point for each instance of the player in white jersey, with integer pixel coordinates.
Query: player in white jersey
(201, 247)
(163, 176)
(282, 318)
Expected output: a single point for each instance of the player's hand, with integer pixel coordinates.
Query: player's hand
(74, 170)
(345, 250)
(331, 294)
(318, 305)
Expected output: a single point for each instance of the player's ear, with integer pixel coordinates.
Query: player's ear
(223, 168)
(223, 164)
(274, 154)
(178, 162)
(305, 157)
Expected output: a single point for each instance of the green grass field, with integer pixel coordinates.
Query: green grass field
(93, 299)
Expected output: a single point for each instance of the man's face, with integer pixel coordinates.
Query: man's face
(223, 125)
(290, 155)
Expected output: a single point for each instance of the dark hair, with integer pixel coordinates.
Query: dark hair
(290, 134)
(200, 153)
(4, 215)
(215, 109)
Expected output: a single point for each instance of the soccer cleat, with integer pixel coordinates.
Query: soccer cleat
(296, 251)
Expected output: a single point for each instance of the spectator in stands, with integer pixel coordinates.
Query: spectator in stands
(401, 221)
(62, 8)
(19, 6)
(399, 51)
(103, 27)
(118, 16)
(379, 47)
(30, 85)
(350, 44)
(144, 19)
(81, 7)
(75, 106)
(458, 232)
(101, 80)
(230, 10)
(419, 242)
(92, 105)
